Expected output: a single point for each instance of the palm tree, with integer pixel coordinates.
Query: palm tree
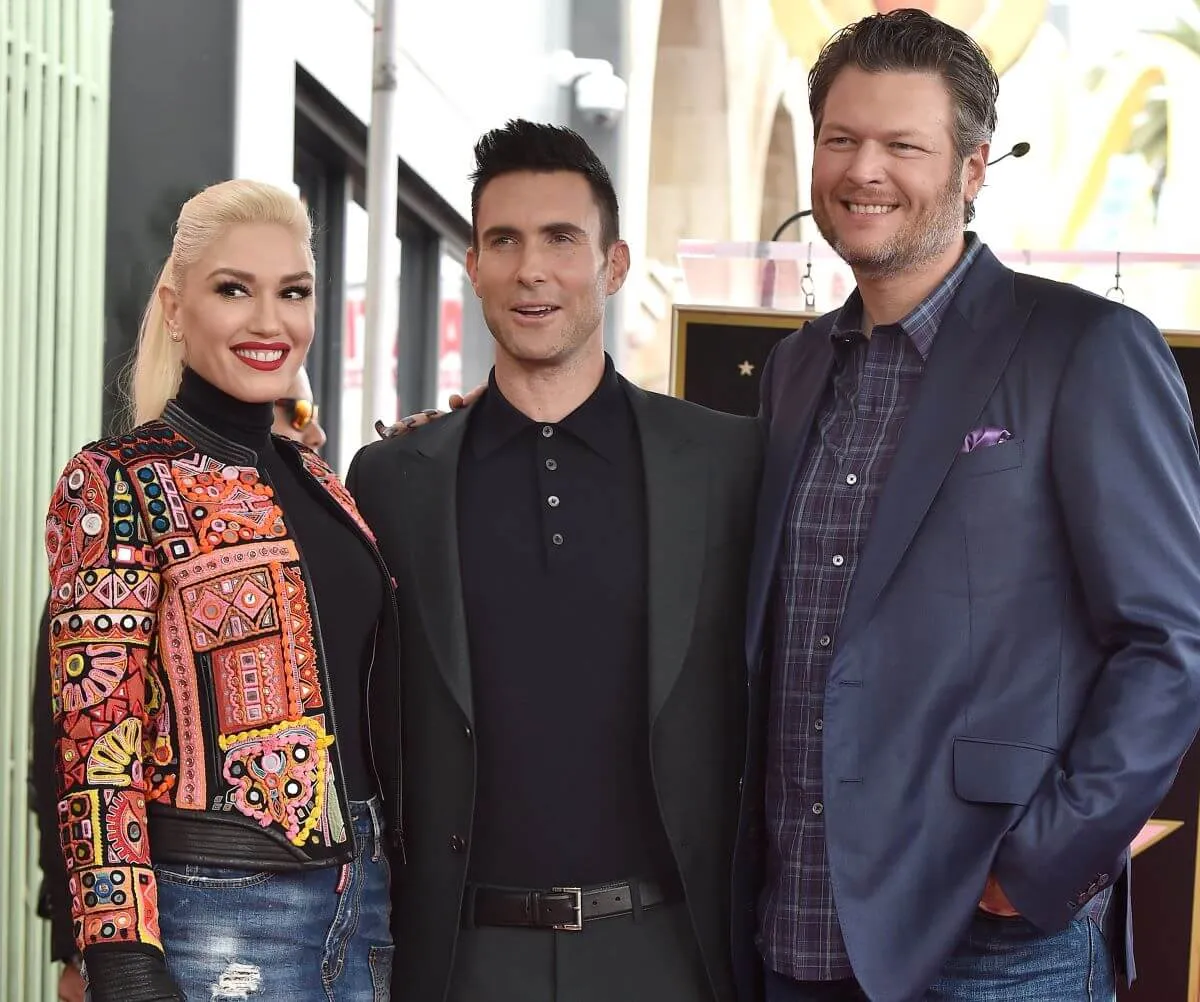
(1149, 136)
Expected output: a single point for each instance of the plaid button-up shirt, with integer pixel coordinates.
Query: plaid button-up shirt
(838, 481)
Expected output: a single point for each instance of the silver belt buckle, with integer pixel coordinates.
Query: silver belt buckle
(576, 894)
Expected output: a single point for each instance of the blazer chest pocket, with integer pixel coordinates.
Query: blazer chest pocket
(989, 459)
(999, 772)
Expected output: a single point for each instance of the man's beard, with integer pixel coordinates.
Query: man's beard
(919, 241)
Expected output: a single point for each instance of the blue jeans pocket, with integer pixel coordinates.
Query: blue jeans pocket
(212, 877)
(380, 959)
(1102, 977)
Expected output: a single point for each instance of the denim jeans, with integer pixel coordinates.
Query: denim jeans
(999, 960)
(320, 935)
(1011, 960)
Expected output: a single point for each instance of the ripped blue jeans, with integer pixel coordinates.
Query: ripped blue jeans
(320, 935)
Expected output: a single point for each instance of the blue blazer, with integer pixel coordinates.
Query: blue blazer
(1017, 673)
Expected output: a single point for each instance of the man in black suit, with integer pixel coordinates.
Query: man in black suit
(570, 556)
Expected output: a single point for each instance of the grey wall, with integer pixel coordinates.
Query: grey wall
(171, 132)
(598, 32)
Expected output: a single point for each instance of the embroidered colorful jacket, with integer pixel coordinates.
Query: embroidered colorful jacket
(186, 681)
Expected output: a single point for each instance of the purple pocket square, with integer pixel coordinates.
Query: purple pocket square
(982, 438)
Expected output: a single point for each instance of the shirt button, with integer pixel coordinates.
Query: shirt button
(557, 539)
(851, 479)
(547, 431)
(552, 465)
(818, 724)
(818, 808)
(825, 640)
(838, 560)
(552, 501)
(467, 731)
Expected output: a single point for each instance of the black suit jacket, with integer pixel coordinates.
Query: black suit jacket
(702, 470)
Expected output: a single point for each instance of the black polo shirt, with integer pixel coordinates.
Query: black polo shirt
(552, 537)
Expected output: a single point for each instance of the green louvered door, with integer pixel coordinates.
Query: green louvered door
(53, 155)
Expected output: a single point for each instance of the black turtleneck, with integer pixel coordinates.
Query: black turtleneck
(345, 579)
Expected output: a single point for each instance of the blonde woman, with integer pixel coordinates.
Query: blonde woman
(217, 606)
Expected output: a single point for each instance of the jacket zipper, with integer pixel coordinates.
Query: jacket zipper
(208, 689)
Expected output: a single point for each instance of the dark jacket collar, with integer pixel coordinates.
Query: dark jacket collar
(228, 429)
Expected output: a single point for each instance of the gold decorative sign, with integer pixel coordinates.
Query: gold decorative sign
(1002, 27)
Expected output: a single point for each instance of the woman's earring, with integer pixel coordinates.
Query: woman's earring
(176, 335)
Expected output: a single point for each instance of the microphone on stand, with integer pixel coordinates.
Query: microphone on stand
(788, 222)
(1018, 150)
(766, 293)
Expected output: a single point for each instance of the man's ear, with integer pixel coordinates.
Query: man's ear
(974, 172)
(473, 268)
(618, 266)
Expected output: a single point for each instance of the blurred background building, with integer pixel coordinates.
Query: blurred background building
(116, 111)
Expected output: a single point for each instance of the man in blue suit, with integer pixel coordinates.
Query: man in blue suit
(974, 620)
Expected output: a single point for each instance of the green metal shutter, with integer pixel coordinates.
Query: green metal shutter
(53, 157)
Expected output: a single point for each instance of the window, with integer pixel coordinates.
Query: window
(451, 278)
(353, 383)
(422, 363)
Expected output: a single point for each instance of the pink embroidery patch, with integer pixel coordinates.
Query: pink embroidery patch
(278, 775)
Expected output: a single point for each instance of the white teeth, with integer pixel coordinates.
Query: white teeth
(260, 356)
(870, 210)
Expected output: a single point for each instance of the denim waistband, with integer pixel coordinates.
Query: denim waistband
(366, 820)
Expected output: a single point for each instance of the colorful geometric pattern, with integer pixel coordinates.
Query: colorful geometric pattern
(116, 904)
(254, 686)
(181, 635)
(231, 608)
(279, 775)
(298, 636)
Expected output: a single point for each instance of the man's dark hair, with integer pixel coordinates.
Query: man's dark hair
(911, 41)
(533, 146)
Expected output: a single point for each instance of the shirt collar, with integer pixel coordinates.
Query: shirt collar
(922, 322)
(596, 422)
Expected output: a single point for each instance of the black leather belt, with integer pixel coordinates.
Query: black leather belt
(563, 908)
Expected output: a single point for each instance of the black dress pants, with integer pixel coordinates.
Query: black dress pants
(653, 958)
(783, 989)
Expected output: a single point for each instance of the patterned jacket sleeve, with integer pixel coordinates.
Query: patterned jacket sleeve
(104, 595)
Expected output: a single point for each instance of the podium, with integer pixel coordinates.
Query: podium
(742, 298)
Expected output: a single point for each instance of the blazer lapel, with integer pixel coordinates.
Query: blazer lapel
(974, 343)
(803, 380)
(433, 538)
(676, 473)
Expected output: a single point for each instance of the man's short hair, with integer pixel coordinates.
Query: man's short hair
(521, 145)
(911, 41)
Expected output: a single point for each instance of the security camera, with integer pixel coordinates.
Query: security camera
(600, 97)
(599, 93)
